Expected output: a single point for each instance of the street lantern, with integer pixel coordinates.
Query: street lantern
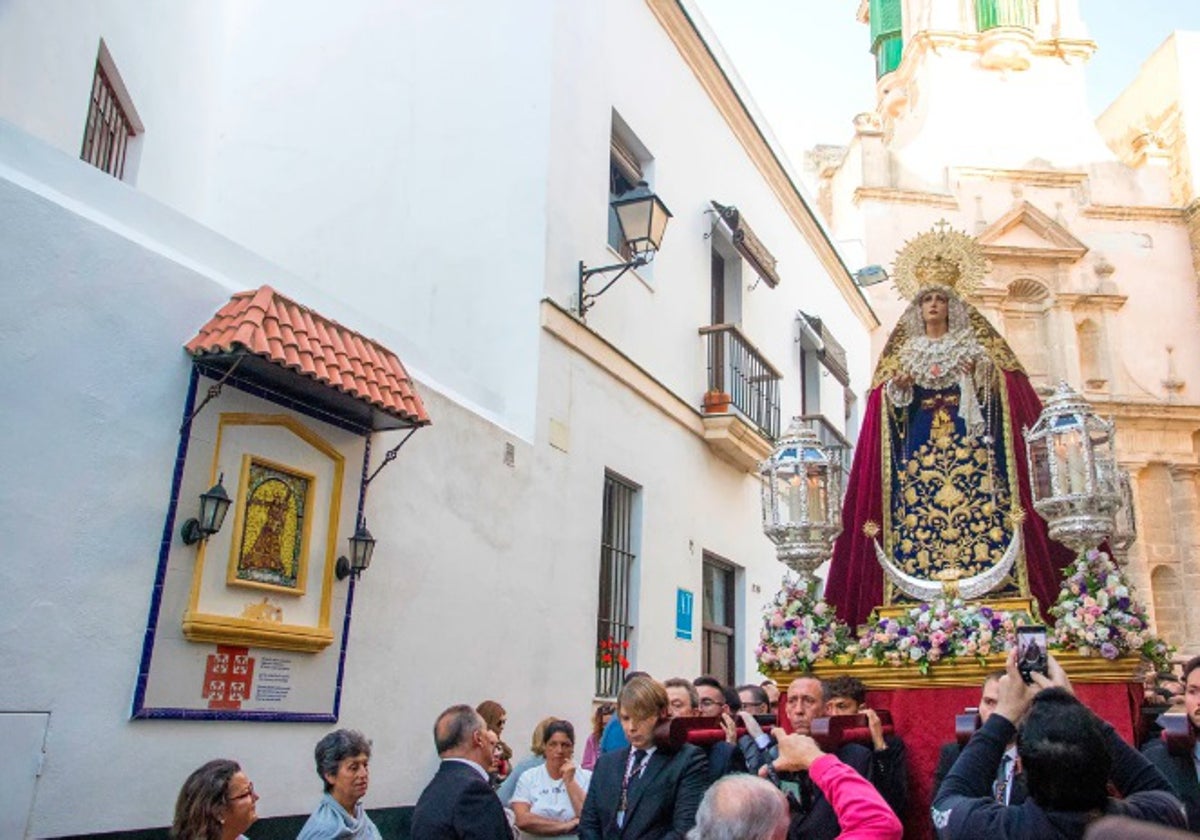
(1073, 470)
(801, 499)
(214, 504)
(362, 546)
(642, 217)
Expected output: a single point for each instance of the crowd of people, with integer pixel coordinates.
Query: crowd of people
(1040, 765)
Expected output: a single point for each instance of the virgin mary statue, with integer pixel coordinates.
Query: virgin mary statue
(938, 500)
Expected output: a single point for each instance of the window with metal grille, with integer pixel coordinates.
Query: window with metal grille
(718, 651)
(111, 121)
(614, 648)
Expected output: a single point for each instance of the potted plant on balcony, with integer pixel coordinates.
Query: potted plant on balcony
(716, 402)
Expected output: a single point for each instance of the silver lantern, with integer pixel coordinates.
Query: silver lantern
(802, 499)
(1073, 470)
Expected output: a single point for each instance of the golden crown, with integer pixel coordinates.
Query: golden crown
(940, 257)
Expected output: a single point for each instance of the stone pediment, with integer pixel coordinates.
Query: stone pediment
(1025, 232)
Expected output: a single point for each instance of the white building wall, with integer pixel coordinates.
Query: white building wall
(424, 175)
(359, 149)
(697, 159)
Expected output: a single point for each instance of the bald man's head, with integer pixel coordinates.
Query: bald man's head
(741, 807)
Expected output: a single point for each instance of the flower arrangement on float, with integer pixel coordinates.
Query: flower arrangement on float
(800, 629)
(1096, 614)
(946, 629)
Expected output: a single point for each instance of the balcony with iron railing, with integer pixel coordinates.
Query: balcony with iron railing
(741, 406)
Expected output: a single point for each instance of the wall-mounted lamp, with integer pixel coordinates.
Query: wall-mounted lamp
(643, 220)
(362, 546)
(214, 504)
(870, 275)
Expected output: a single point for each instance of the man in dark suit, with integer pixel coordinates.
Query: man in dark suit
(459, 804)
(813, 817)
(643, 791)
(1010, 787)
(1181, 770)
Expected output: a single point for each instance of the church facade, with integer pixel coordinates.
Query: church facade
(982, 121)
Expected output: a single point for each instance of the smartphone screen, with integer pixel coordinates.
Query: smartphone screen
(1031, 651)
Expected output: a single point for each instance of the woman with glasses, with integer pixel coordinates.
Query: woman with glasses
(217, 802)
(549, 798)
(343, 758)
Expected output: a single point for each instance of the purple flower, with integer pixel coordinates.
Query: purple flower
(815, 646)
(1122, 603)
(925, 643)
(903, 631)
(986, 612)
(1109, 651)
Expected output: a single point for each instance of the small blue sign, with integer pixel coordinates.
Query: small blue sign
(683, 614)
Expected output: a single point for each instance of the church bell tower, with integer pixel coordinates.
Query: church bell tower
(1002, 81)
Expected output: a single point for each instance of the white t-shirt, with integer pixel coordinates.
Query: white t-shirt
(547, 797)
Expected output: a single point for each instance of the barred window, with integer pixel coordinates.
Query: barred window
(111, 120)
(614, 648)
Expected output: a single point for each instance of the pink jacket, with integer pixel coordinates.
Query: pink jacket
(861, 811)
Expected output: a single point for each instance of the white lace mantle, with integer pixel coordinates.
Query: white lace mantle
(936, 363)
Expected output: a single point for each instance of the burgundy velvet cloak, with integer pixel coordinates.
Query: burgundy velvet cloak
(855, 585)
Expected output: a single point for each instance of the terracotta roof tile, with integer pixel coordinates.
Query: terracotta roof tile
(282, 331)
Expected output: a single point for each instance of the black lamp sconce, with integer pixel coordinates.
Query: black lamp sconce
(643, 220)
(214, 504)
(362, 546)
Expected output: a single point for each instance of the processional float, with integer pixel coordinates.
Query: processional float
(970, 509)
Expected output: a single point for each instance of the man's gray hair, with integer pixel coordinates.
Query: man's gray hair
(455, 726)
(740, 807)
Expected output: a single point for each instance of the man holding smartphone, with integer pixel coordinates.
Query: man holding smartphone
(1009, 785)
(1068, 755)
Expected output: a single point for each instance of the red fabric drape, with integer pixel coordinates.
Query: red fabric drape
(924, 720)
(855, 585)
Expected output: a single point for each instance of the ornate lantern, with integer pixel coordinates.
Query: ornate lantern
(1073, 470)
(1125, 532)
(802, 499)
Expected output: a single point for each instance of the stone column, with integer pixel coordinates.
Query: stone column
(1185, 518)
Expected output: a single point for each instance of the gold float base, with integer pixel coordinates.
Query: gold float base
(964, 672)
